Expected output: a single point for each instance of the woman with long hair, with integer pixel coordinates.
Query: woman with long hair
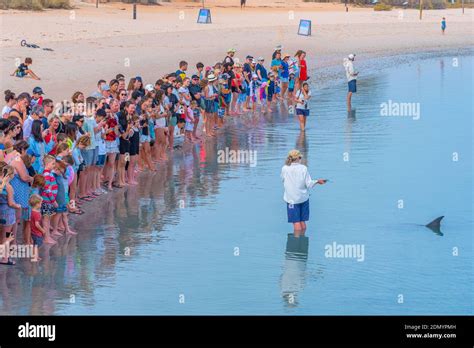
(8, 209)
(302, 97)
(161, 131)
(38, 148)
(20, 184)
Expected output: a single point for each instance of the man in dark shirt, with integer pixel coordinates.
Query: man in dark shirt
(195, 89)
(230, 56)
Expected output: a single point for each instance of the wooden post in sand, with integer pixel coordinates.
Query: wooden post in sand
(421, 8)
(134, 10)
(462, 6)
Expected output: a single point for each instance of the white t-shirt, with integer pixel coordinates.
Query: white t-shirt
(160, 122)
(6, 110)
(300, 95)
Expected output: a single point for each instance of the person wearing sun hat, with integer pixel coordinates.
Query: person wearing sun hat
(230, 56)
(278, 49)
(296, 183)
(211, 95)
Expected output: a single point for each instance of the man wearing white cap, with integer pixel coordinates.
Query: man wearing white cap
(351, 75)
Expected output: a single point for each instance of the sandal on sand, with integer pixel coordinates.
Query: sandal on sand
(86, 198)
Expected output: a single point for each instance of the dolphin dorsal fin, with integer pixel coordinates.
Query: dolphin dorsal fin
(436, 223)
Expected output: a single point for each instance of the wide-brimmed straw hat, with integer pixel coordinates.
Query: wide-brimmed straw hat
(211, 77)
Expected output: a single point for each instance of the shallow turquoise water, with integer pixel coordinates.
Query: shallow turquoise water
(169, 245)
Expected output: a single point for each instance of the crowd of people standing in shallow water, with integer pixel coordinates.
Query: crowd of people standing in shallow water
(55, 158)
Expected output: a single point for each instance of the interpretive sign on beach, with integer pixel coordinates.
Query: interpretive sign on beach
(204, 16)
(305, 27)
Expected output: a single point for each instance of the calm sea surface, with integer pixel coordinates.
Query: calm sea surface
(207, 238)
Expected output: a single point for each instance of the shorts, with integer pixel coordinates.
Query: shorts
(37, 240)
(173, 121)
(111, 146)
(270, 97)
(101, 160)
(352, 84)
(134, 147)
(90, 156)
(26, 213)
(291, 90)
(144, 138)
(302, 112)
(20, 73)
(47, 209)
(298, 212)
(124, 146)
(284, 79)
(227, 98)
(189, 126)
(61, 209)
(210, 106)
(221, 112)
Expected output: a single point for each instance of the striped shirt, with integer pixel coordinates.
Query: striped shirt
(50, 189)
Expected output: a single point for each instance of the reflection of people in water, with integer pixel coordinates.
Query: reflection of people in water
(297, 181)
(293, 277)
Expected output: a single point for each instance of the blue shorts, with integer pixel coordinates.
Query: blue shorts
(37, 240)
(61, 209)
(90, 156)
(284, 79)
(100, 160)
(352, 84)
(298, 212)
(302, 112)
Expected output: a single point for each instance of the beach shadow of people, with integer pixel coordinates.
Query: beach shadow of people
(293, 278)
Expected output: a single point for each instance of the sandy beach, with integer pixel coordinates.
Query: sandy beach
(91, 43)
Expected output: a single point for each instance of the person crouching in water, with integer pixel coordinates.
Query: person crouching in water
(296, 182)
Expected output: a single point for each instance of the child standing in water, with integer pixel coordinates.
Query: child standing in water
(443, 25)
(37, 230)
(189, 126)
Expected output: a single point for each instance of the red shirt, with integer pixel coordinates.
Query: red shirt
(303, 70)
(35, 217)
(111, 136)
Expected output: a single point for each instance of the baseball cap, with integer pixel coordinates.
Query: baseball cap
(231, 50)
(149, 87)
(194, 77)
(105, 87)
(38, 90)
(254, 61)
(351, 56)
(249, 57)
(260, 59)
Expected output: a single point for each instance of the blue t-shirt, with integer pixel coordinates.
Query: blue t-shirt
(284, 72)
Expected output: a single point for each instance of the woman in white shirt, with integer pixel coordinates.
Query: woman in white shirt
(302, 97)
(297, 181)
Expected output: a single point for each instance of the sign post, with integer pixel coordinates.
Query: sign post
(304, 27)
(204, 16)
